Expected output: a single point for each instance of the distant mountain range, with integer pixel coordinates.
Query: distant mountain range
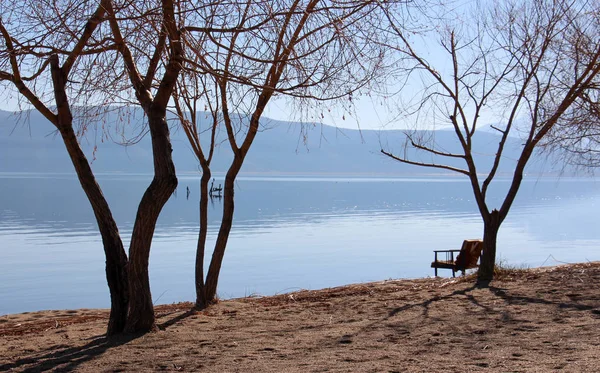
(29, 143)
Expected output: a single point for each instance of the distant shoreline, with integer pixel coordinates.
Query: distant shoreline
(278, 174)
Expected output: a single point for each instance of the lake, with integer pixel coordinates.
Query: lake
(289, 233)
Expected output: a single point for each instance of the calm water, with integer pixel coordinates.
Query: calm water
(289, 233)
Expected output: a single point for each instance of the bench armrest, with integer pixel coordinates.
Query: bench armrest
(449, 257)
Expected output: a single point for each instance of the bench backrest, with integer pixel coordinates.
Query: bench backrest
(469, 254)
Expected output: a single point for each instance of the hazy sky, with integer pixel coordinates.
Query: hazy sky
(364, 112)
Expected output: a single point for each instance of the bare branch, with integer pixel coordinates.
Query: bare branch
(422, 164)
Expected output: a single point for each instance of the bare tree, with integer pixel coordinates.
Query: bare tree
(520, 62)
(310, 51)
(31, 61)
(134, 37)
(104, 48)
(192, 90)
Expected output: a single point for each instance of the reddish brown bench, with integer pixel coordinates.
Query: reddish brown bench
(468, 257)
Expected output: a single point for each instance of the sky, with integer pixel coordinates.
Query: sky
(366, 112)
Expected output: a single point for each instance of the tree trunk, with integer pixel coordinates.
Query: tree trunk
(212, 277)
(140, 318)
(490, 235)
(116, 259)
(201, 248)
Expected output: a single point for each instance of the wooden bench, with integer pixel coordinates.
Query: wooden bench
(468, 257)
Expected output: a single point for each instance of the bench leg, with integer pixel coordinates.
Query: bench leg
(435, 270)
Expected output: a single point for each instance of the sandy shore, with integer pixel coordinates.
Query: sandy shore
(534, 320)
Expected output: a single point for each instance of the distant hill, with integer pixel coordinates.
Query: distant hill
(29, 143)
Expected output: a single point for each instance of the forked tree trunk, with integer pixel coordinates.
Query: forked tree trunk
(490, 236)
(212, 278)
(140, 317)
(201, 248)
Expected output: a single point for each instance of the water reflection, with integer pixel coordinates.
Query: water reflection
(288, 233)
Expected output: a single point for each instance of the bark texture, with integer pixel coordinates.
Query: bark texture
(116, 259)
(140, 317)
(491, 226)
(201, 247)
(212, 277)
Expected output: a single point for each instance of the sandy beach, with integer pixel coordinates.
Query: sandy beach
(534, 320)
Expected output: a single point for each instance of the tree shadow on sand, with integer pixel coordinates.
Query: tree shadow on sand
(428, 302)
(64, 358)
(510, 298)
(177, 319)
(524, 300)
